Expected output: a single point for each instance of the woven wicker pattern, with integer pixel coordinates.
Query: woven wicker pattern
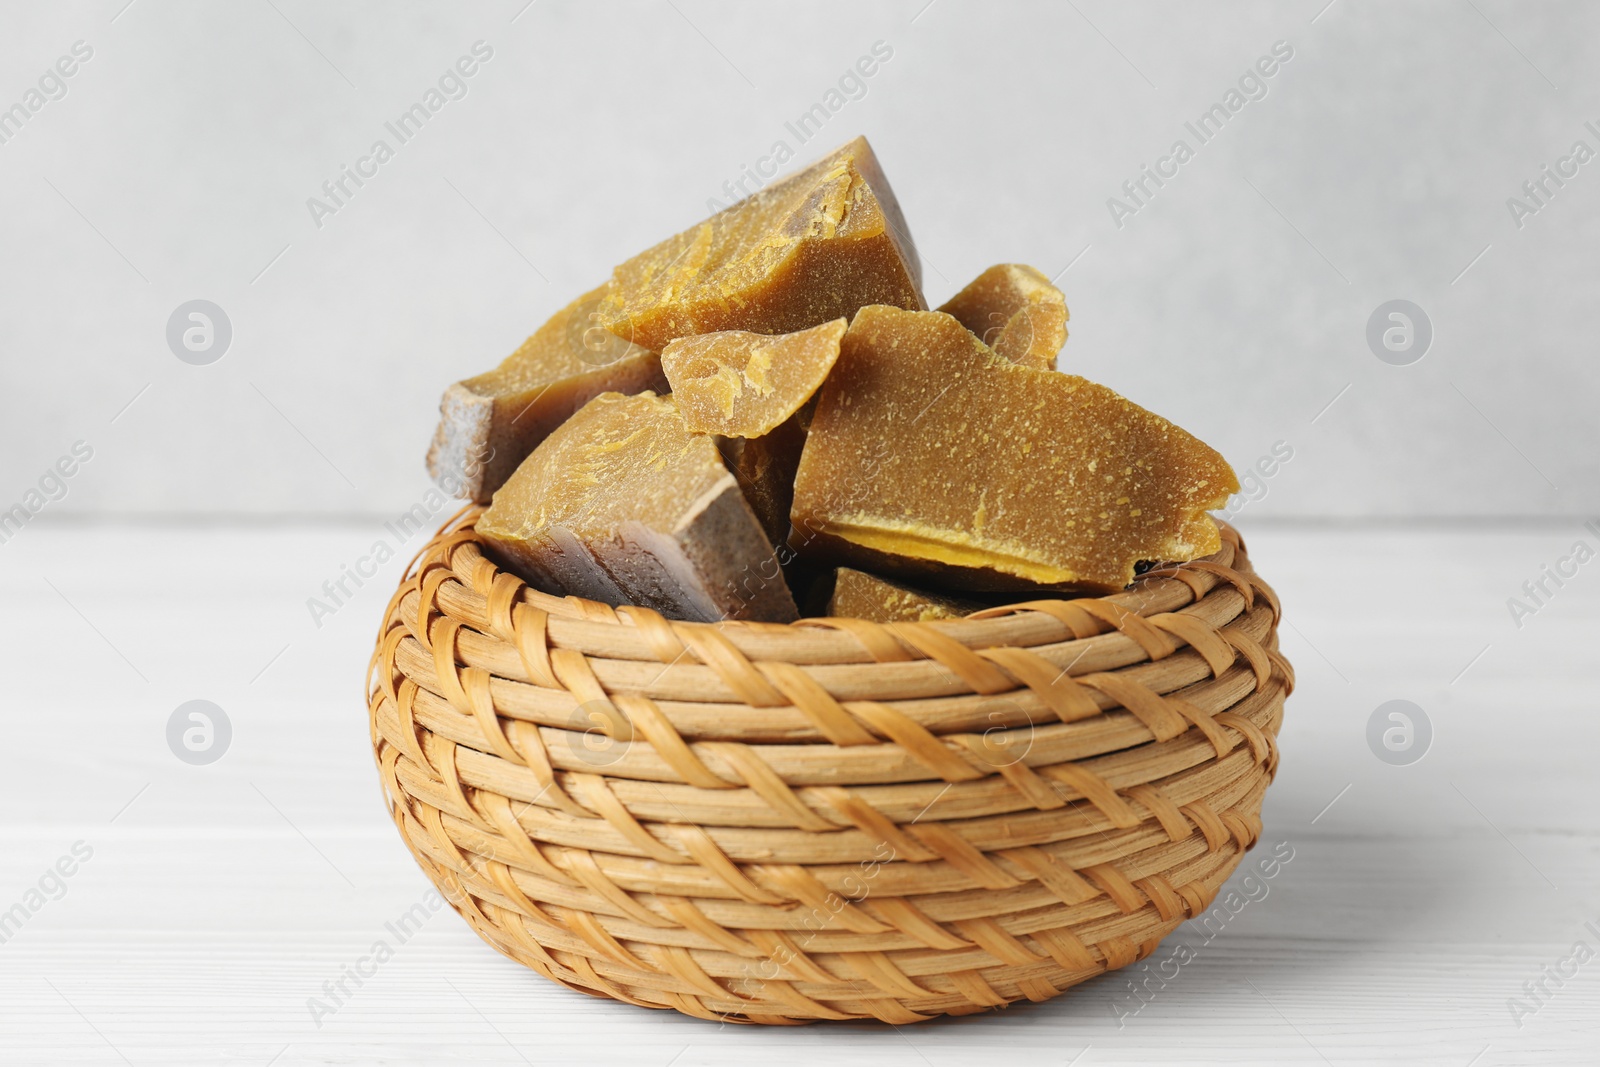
(834, 819)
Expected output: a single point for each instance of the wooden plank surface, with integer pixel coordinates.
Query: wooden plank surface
(1422, 903)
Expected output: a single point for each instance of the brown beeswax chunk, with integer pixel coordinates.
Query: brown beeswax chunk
(859, 595)
(813, 247)
(1015, 311)
(930, 454)
(488, 424)
(765, 467)
(740, 384)
(624, 504)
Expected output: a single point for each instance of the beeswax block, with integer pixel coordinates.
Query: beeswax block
(764, 468)
(624, 504)
(740, 384)
(929, 454)
(489, 424)
(1015, 311)
(859, 595)
(813, 247)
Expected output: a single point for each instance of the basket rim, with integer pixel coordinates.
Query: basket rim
(585, 623)
(1057, 670)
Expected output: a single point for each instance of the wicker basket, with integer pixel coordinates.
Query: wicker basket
(834, 819)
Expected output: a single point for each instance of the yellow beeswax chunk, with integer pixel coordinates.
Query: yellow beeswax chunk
(764, 468)
(929, 454)
(1014, 310)
(489, 424)
(813, 247)
(625, 505)
(859, 595)
(740, 384)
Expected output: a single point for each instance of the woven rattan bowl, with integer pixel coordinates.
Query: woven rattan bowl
(834, 819)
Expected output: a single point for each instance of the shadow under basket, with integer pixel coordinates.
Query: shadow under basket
(833, 819)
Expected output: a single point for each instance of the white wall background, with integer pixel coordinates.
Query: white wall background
(1378, 166)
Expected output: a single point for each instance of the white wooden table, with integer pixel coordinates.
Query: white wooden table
(219, 899)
